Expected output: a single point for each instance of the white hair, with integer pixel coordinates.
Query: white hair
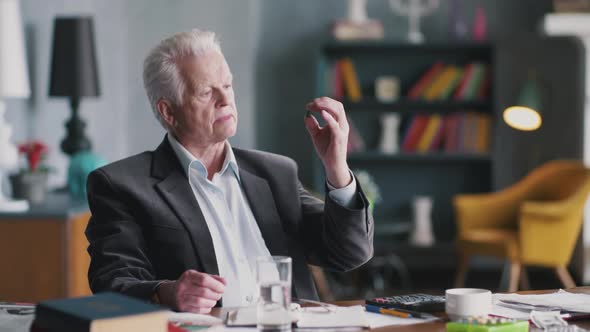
(161, 75)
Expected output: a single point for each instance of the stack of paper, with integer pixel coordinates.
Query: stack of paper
(319, 317)
(519, 306)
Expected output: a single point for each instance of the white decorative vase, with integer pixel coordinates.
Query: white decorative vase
(422, 234)
(389, 128)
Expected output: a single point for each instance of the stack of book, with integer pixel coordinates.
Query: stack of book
(341, 80)
(459, 132)
(451, 82)
(101, 312)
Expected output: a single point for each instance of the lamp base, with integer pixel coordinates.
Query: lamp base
(13, 205)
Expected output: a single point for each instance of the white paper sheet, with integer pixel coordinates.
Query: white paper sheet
(566, 301)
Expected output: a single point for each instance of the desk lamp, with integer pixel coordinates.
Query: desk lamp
(14, 83)
(526, 114)
(74, 74)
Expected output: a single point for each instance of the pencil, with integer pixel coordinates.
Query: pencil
(392, 312)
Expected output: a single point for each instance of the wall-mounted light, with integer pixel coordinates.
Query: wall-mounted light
(526, 113)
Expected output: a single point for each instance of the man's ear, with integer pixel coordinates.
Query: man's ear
(164, 107)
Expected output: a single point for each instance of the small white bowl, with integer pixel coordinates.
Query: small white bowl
(468, 302)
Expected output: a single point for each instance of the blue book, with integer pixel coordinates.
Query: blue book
(101, 312)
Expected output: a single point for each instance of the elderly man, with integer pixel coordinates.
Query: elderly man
(183, 224)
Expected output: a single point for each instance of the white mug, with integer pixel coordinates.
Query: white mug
(468, 302)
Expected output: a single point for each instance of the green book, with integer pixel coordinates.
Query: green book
(101, 312)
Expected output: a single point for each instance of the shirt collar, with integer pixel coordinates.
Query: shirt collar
(188, 161)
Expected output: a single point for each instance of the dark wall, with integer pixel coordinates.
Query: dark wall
(558, 66)
(292, 31)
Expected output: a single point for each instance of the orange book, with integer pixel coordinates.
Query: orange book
(414, 132)
(483, 133)
(425, 80)
(351, 82)
(439, 136)
(434, 122)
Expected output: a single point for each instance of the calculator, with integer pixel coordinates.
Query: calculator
(417, 302)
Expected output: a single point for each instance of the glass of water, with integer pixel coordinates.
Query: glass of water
(273, 276)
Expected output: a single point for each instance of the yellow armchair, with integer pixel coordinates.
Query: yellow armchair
(536, 221)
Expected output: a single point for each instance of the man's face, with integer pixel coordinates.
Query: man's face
(208, 111)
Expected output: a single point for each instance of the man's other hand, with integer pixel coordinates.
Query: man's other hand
(331, 140)
(193, 292)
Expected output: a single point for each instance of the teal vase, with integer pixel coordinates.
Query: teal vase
(81, 164)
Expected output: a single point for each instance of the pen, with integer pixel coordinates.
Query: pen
(393, 312)
(415, 314)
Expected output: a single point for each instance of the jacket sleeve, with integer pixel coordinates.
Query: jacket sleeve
(336, 237)
(117, 247)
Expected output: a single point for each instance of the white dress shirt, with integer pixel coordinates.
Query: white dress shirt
(235, 234)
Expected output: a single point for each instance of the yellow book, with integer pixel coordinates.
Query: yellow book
(351, 82)
(440, 82)
(483, 133)
(434, 122)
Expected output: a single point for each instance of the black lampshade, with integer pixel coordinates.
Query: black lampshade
(73, 66)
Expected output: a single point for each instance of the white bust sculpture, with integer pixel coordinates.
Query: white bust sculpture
(357, 11)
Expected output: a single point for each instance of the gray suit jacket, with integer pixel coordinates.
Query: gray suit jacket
(146, 224)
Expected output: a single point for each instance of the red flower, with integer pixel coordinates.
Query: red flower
(34, 152)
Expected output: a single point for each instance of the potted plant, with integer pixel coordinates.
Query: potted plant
(369, 186)
(30, 182)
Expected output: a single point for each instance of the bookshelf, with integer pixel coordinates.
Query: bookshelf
(438, 173)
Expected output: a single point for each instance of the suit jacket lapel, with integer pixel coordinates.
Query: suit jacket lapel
(176, 190)
(263, 207)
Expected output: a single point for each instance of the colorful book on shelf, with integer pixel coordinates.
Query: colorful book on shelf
(484, 124)
(101, 312)
(337, 83)
(434, 122)
(451, 132)
(425, 80)
(351, 81)
(443, 84)
(470, 132)
(461, 126)
(474, 82)
(451, 84)
(459, 92)
(442, 81)
(414, 132)
(439, 136)
(484, 88)
(355, 140)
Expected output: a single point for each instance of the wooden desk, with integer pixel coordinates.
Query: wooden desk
(439, 326)
(43, 251)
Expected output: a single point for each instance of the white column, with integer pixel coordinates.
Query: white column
(578, 25)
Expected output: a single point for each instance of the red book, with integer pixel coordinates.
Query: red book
(414, 133)
(467, 74)
(451, 132)
(425, 80)
(338, 85)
